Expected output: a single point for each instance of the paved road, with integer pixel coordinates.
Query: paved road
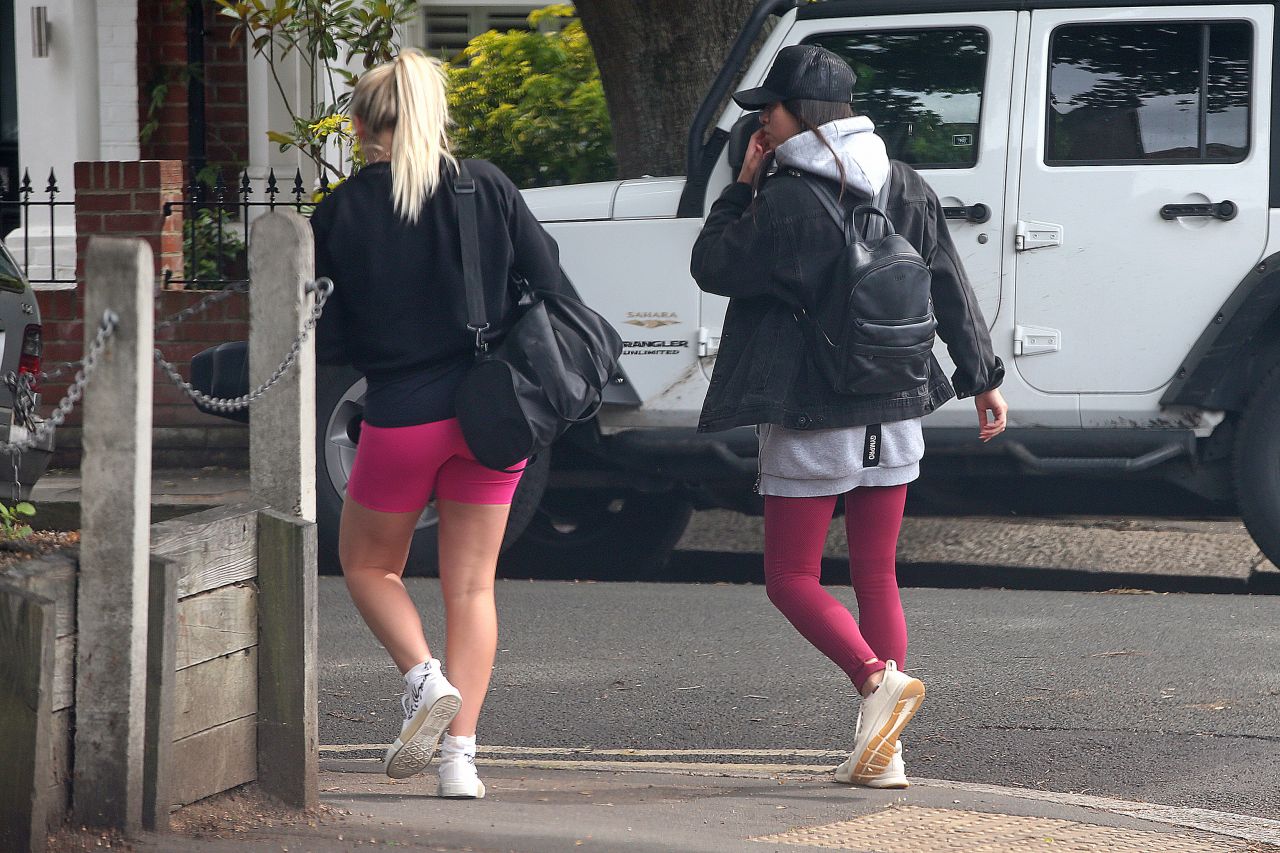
(1163, 698)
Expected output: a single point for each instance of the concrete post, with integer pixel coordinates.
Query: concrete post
(282, 474)
(282, 424)
(115, 518)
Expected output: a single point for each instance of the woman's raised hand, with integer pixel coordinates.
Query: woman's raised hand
(757, 148)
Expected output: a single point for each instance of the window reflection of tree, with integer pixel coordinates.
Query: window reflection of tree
(1148, 76)
(898, 70)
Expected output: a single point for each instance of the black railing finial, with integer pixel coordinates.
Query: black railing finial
(298, 189)
(53, 186)
(25, 189)
(273, 188)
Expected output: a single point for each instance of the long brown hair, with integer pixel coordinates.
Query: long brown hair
(811, 115)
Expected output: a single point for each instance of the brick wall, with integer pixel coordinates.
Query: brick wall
(162, 59)
(126, 199)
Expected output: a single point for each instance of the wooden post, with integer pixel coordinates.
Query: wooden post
(288, 735)
(162, 642)
(26, 688)
(282, 424)
(111, 660)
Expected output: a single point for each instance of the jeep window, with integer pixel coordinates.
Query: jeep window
(922, 88)
(10, 278)
(1149, 93)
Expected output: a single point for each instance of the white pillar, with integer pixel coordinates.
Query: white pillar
(118, 72)
(58, 115)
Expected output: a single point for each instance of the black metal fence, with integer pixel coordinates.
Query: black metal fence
(36, 208)
(215, 226)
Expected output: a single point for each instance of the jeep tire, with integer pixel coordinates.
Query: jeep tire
(599, 534)
(1257, 466)
(339, 411)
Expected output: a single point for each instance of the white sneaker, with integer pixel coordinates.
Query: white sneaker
(429, 707)
(881, 719)
(894, 776)
(458, 777)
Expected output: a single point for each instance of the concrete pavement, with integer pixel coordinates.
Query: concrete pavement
(639, 717)
(532, 809)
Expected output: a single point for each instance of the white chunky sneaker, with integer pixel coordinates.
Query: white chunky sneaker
(881, 719)
(429, 706)
(458, 777)
(894, 776)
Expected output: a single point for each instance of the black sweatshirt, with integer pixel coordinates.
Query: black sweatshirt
(398, 309)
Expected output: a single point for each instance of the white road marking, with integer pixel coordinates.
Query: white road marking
(587, 750)
(542, 758)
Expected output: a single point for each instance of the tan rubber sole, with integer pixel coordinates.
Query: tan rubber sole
(878, 752)
(414, 755)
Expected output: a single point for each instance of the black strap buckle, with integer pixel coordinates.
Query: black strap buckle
(481, 345)
(464, 186)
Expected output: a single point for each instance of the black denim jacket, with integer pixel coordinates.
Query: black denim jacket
(774, 255)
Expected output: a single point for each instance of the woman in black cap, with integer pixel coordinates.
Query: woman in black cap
(771, 245)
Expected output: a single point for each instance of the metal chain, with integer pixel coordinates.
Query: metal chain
(187, 313)
(204, 304)
(75, 391)
(322, 287)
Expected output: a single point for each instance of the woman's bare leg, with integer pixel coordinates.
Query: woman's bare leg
(373, 547)
(470, 537)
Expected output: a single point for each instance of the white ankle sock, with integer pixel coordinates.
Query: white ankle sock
(451, 746)
(428, 668)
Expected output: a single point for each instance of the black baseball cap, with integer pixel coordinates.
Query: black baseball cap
(802, 71)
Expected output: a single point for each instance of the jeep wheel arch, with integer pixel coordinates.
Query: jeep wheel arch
(1238, 349)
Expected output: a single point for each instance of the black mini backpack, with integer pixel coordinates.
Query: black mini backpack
(872, 328)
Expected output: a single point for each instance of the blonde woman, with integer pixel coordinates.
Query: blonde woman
(388, 238)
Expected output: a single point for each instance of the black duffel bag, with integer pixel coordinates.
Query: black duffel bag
(548, 373)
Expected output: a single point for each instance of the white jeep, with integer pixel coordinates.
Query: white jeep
(1110, 185)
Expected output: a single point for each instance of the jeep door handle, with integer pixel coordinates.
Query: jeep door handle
(976, 213)
(1224, 210)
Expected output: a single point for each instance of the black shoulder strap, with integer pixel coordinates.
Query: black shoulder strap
(469, 241)
(846, 219)
(827, 197)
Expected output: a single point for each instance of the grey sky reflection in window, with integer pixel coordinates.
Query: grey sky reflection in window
(1137, 92)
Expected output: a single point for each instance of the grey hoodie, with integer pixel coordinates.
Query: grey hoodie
(861, 152)
(810, 463)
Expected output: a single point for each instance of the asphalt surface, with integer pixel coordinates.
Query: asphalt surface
(1163, 698)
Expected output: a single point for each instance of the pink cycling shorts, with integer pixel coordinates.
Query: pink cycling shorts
(397, 469)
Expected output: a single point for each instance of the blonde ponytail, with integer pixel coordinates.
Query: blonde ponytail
(407, 96)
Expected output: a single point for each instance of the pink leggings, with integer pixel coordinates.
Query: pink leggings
(795, 530)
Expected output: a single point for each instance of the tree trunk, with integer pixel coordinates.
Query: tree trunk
(657, 59)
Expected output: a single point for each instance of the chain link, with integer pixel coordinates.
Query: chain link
(75, 391)
(21, 385)
(213, 298)
(322, 287)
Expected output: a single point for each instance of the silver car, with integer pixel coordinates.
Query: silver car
(21, 346)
